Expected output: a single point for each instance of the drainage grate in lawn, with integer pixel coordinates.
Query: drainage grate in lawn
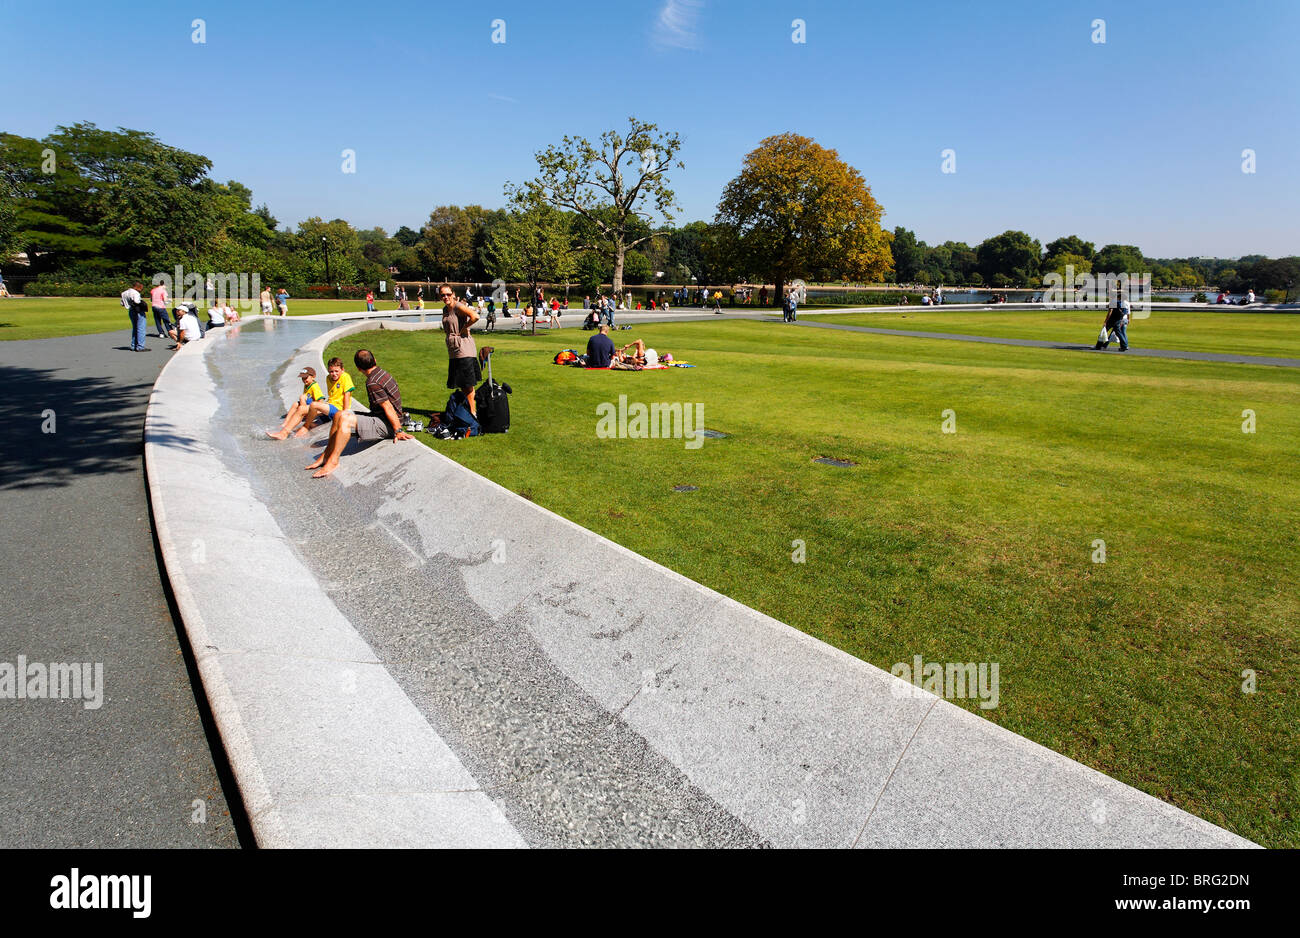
(830, 461)
(714, 434)
(686, 488)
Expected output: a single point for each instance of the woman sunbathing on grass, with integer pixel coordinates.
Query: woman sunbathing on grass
(636, 358)
(641, 357)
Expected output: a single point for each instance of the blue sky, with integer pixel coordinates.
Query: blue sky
(1137, 140)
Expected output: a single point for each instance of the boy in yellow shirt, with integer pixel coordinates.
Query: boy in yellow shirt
(311, 394)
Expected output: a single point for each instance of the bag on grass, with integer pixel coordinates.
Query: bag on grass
(457, 416)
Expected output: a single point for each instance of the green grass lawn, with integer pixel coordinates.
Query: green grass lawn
(970, 546)
(1187, 330)
(42, 317)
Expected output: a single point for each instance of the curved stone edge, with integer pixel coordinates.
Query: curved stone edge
(888, 772)
(340, 782)
(944, 776)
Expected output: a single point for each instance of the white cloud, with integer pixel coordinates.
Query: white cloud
(676, 26)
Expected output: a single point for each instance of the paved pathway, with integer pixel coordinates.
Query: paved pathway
(81, 584)
(1039, 343)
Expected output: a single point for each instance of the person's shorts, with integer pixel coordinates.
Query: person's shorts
(370, 427)
(266, 307)
(333, 410)
(463, 373)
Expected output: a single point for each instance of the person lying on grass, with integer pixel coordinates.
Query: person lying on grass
(638, 357)
(338, 396)
(311, 393)
(383, 423)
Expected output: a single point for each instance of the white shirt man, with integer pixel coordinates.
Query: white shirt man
(187, 329)
(216, 316)
(1250, 296)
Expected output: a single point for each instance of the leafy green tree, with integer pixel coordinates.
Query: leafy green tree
(1059, 262)
(686, 250)
(1070, 244)
(51, 215)
(447, 247)
(532, 245)
(590, 272)
(268, 219)
(1009, 258)
(613, 187)
(637, 268)
(1119, 259)
(909, 255)
(797, 208)
(962, 261)
(407, 237)
(343, 244)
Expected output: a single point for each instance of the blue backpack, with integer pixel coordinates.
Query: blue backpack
(457, 416)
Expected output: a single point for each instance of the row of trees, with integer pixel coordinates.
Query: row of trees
(90, 205)
(1013, 258)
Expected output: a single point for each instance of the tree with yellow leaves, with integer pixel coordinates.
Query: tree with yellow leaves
(798, 210)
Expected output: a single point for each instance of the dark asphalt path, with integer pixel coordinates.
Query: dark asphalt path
(81, 583)
(1039, 343)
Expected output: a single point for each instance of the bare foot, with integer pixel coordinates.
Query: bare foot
(301, 431)
(317, 464)
(277, 435)
(324, 470)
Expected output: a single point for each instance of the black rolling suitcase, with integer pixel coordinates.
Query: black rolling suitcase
(492, 401)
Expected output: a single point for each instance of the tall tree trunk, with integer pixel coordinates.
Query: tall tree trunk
(620, 254)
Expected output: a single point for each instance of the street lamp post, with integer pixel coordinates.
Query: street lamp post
(325, 249)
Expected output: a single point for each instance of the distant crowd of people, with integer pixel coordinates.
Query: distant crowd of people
(181, 323)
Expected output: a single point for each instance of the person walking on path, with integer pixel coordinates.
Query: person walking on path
(370, 301)
(158, 300)
(1116, 324)
(135, 307)
(282, 301)
(265, 298)
(790, 308)
(463, 371)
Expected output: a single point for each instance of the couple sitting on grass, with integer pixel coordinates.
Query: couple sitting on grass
(634, 356)
(383, 423)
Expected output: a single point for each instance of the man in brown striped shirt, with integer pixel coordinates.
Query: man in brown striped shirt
(384, 422)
